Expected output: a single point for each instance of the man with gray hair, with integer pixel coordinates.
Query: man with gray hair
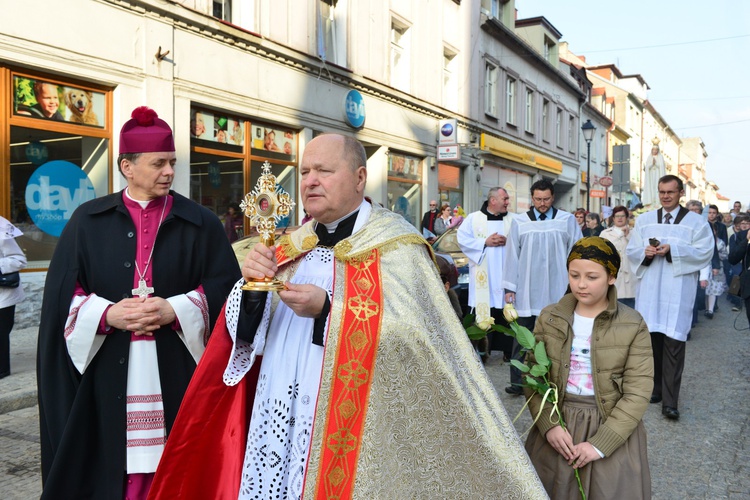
(482, 238)
(353, 381)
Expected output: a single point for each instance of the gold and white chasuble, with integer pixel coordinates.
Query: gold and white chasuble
(400, 406)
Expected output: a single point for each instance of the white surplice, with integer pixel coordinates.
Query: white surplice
(666, 291)
(471, 240)
(536, 260)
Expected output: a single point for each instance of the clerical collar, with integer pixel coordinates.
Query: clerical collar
(331, 233)
(490, 215)
(143, 204)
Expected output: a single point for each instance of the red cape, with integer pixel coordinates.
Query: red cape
(205, 451)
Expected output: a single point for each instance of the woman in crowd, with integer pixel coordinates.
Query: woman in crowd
(580, 214)
(443, 220)
(717, 281)
(12, 259)
(619, 235)
(593, 225)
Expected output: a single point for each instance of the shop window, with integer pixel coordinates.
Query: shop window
(226, 157)
(405, 187)
(450, 185)
(59, 157)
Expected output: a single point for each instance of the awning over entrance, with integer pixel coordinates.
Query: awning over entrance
(520, 154)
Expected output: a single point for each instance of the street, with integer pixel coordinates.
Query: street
(705, 455)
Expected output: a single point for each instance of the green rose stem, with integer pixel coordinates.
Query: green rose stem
(536, 369)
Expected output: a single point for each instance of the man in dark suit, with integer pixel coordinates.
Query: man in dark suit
(739, 254)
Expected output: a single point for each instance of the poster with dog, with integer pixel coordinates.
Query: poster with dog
(51, 101)
(83, 106)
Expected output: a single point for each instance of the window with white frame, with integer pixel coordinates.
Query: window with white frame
(529, 118)
(510, 100)
(545, 120)
(400, 52)
(490, 89)
(222, 9)
(332, 31)
(558, 128)
(450, 79)
(571, 133)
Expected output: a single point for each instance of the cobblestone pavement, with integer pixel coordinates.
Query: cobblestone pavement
(706, 455)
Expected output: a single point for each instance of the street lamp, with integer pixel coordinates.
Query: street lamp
(588, 130)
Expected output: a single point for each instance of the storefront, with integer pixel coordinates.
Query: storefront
(226, 156)
(56, 144)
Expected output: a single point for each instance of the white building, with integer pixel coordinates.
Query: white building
(244, 82)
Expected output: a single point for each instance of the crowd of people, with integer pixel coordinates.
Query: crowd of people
(357, 379)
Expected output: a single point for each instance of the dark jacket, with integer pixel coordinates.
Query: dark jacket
(621, 361)
(428, 220)
(83, 417)
(739, 254)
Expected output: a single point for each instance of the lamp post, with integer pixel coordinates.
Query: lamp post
(588, 130)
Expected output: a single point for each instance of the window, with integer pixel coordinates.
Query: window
(450, 185)
(59, 157)
(405, 186)
(490, 89)
(227, 153)
(245, 14)
(492, 8)
(572, 133)
(223, 10)
(510, 100)
(558, 128)
(450, 79)
(529, 111)
(332, 31)
(400, 52)
(549, 49)
(545, 120)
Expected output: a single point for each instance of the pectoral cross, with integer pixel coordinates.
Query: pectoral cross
(143, 290)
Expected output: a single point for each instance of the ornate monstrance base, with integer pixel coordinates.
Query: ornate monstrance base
(270, 285)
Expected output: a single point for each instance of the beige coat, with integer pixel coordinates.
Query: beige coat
(621, 361)
(625, 278)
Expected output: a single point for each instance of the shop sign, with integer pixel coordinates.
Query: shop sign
(36, 153)
(605, 181)
(54, 191)
(597, 193)
(354, 109)
(448, 132)
(449, 152)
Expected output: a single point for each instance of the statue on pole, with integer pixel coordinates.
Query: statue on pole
(653, 170)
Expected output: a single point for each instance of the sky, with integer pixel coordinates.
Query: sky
(695, 57)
